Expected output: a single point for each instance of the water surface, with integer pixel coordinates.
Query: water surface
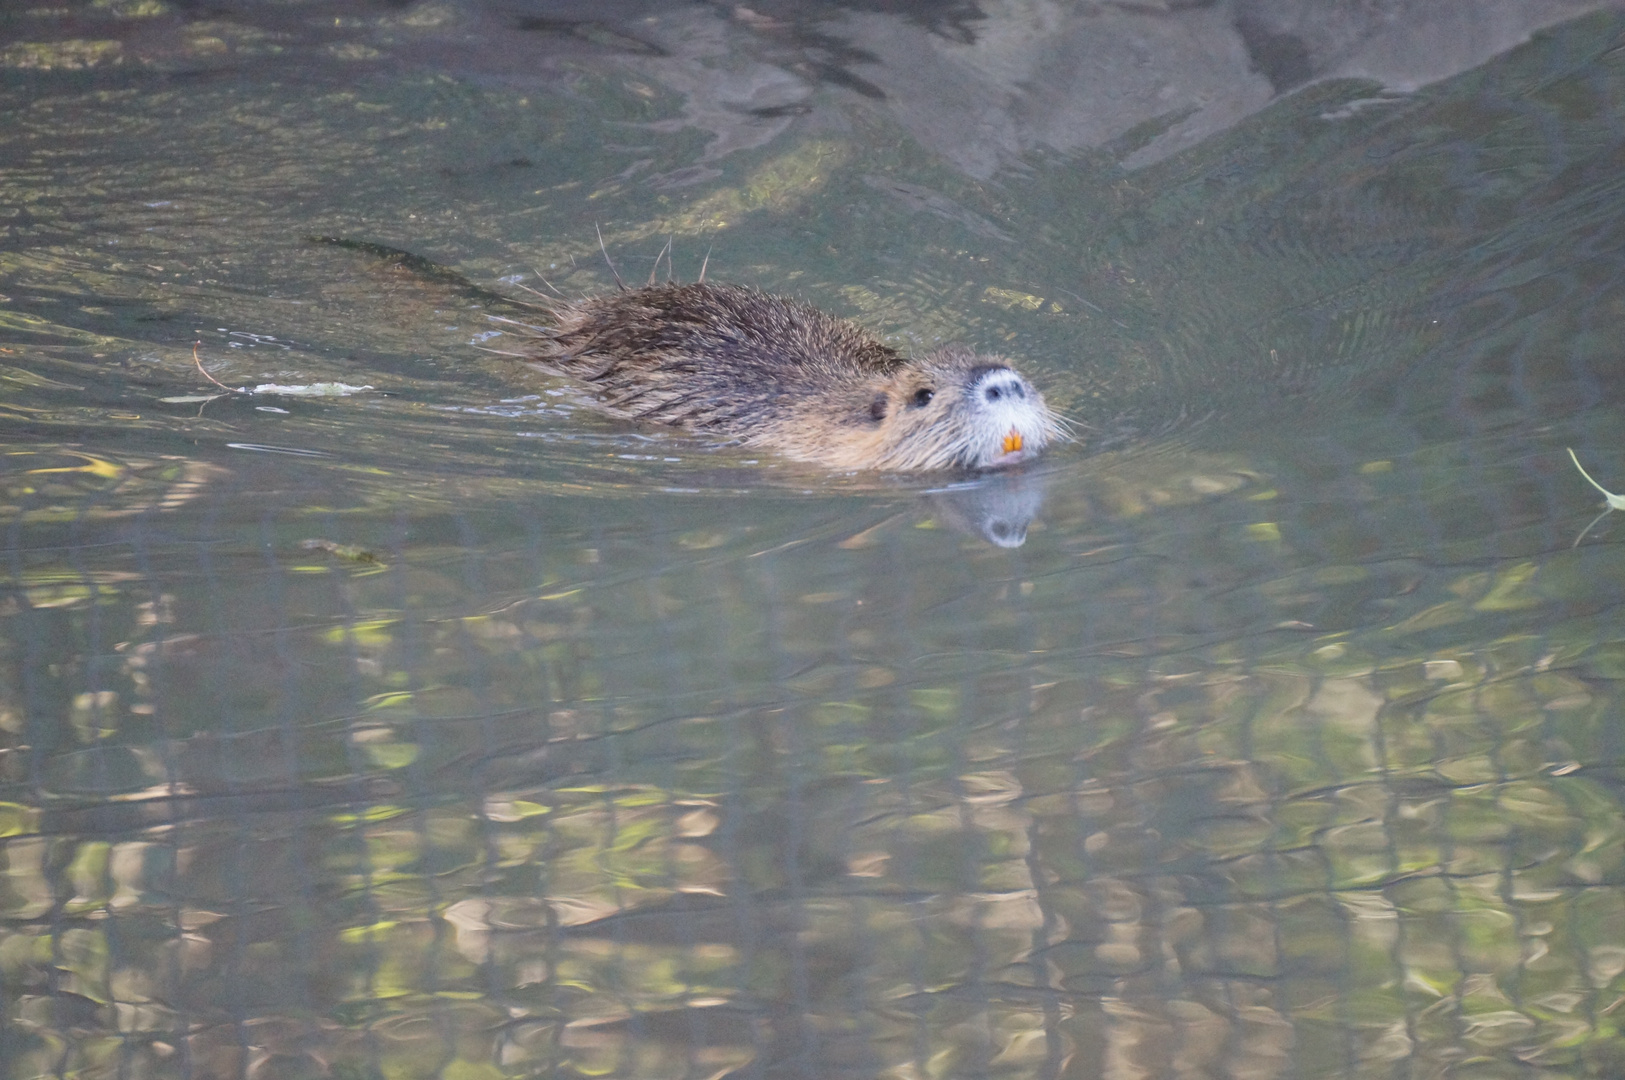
(442, 728)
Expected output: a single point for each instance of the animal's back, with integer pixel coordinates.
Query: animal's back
(710, 357)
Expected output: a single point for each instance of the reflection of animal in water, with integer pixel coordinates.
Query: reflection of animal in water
(997, 509)
(735, 362)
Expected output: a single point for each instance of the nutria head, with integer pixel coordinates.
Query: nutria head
(956, 409)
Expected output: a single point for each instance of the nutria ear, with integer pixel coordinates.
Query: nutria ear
(877, 408)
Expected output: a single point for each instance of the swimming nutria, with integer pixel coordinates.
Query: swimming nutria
(735, 362)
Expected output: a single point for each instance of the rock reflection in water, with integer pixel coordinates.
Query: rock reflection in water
(985, 84)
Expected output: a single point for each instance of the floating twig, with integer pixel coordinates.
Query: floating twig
(232, 390)
(1615, 502)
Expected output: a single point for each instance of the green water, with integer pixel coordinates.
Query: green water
(445, 729)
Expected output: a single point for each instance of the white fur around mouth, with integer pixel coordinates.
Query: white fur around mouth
(1010, 458)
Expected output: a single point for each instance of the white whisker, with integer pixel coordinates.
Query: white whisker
(544, 331)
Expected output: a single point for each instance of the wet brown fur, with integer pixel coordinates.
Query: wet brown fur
(738, 363)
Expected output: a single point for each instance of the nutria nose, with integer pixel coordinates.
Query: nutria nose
(1004, 388)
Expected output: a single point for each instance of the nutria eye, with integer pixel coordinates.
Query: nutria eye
(877, 408)
(922, 398)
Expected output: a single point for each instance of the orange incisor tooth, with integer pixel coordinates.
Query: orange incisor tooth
(1012, 441)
